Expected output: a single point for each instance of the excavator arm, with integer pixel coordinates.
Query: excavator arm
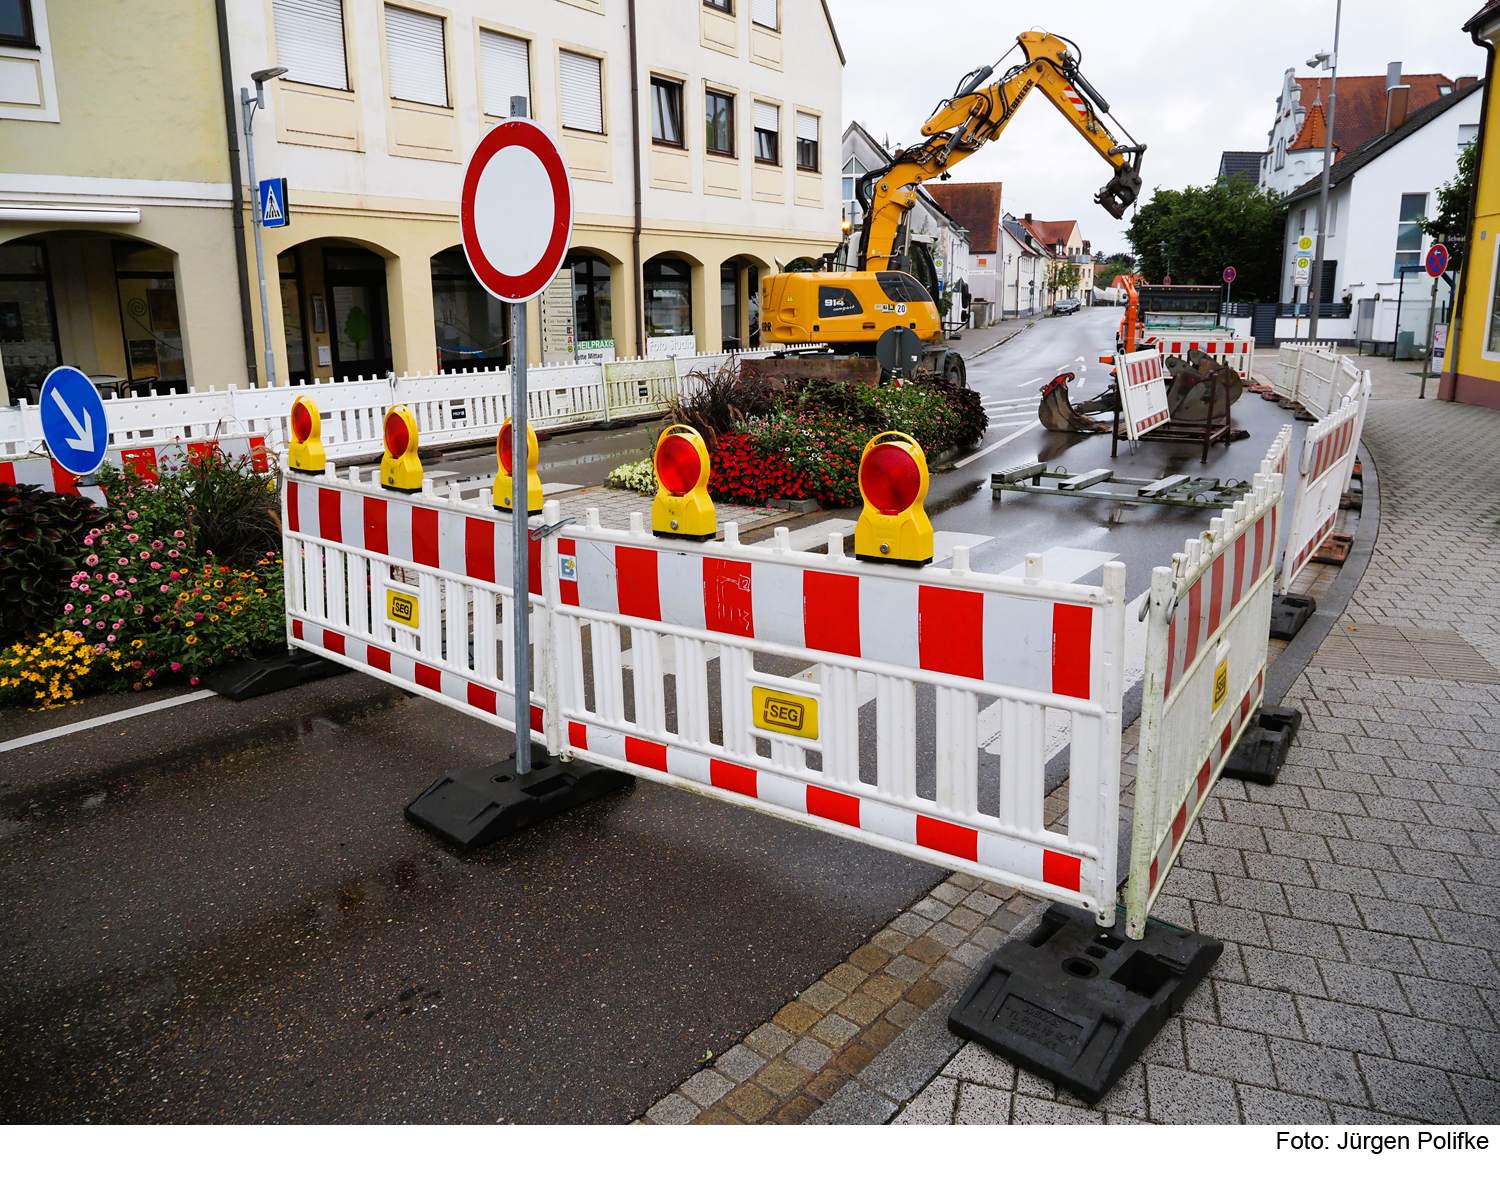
(974, 117)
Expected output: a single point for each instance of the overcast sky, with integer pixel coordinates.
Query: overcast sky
(1189, 78)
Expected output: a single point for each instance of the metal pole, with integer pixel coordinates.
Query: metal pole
(520, 506)
(1431, 332)
(1316, 290)
(251, 106)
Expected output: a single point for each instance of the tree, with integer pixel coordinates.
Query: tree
(1115, 265)
(1228, 223)
(1451, 226)
(1064, 276)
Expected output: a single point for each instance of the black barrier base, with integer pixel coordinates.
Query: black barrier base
(1289, 613)
(251, 679)
(1263, 747)
(1076, 1003)
(477, 805)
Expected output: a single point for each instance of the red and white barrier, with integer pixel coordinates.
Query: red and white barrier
(1143, 391)
(1327, 461)
(1236, 352)
(751, 674)
(144, 458)
(1208, 624)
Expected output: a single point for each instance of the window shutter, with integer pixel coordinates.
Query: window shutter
(767, 117)
(414, 52)
(310, 41)
(807, 126)
(506, 63)
(582, 94)
(764, 13)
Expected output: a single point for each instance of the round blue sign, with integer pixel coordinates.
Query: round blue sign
(73, 420)
(1437, 259)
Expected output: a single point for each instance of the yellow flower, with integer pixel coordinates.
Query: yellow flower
(213, 619)
(192, 639)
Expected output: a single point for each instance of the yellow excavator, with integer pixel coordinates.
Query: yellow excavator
(883, 307)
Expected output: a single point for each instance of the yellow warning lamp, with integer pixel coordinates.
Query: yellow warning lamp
(306, 453)
(893, 481)
(682, 508)
(400, 470)
(504, 452)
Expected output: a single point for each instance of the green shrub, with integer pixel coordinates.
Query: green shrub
(41, 534)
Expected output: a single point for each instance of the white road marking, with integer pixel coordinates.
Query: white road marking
(105, 720)
(1001, 443)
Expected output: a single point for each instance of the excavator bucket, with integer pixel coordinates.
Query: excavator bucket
(1056, 410)
(1198, 383)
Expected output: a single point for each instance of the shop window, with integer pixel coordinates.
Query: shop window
(1409, 231)
(28, 327)
(148, 315)
(718, 110)
(417, 58)
(807, 142)
(472, 326)
(669, 297)
(292, 324)
(666, 112)
(752, 285)
(506, 66)
(16, 26)
(729, 305)
(310, 41)
(593, 316)
(361, 329)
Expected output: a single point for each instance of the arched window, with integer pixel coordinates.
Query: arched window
(669, 297)
(1280, 154)
(472, 326)
(593, 317)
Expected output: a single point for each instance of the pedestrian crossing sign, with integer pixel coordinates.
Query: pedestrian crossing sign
(273, 209)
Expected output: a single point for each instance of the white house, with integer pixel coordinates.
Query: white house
(1376, 195)
(1023, 274)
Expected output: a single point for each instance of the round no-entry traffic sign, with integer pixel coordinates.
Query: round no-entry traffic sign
(1229, 274)
(1437, 259)
(517, 210)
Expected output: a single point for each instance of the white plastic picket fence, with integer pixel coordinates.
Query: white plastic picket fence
(1209, 617)
(1327, 462)
(651, 656)
(449, 408)
(1234, 351)
(1143, 391)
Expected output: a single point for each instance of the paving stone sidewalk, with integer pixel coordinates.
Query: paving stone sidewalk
(1358, 896)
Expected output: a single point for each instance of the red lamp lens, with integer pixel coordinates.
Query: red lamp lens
(891, 478)
(396, 435)
(677, 465)
(301, 422)
(504, 448)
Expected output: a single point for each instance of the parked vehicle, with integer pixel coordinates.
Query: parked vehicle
(1066, 307)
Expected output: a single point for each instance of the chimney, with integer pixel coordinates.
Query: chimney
(1025, 217)
(1466, 80)
(1396, 96)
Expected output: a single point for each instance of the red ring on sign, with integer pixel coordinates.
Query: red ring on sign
(528, 135)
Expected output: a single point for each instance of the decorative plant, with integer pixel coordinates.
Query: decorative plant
(40, 538)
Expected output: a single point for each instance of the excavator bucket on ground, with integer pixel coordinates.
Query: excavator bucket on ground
(1057, 412)
(1198, 382)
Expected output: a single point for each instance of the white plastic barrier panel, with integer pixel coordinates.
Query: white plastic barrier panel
(1327, 460)
(1143, 391)
(1237, 352)
(849, 696)
(1317, 384)
(414, 590)
(1208, 625)
(1288, 367)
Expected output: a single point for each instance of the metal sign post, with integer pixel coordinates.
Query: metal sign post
(520, 536)
(1436, 263)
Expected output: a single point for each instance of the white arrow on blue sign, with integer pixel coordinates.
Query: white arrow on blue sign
(73, 422)
(273, 211)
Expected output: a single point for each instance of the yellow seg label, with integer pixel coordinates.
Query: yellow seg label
(401, 609)
(1221, 683)
(789, 714)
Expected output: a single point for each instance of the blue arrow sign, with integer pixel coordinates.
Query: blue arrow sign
(73, 421)
(273, 211)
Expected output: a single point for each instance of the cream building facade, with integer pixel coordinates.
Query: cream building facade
(693, 174)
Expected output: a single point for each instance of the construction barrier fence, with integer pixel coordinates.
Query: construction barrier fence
(145, 459)
(1143, 391)
(1326, 464)
(1236, 352)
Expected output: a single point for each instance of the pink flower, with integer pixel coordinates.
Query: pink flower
(67, 607)
(176, 574)
(100, 625)
(156, 566)
(88, 607)
(172, 554)
(176, 668)
(164, 587)
(137, 685)
(192, 681)
(132, 579)
(150, 672)
(158, 544)
(132, 515)
(92, 560)
(123, 561)
(179, 534)
(197, 615)
(110, 638)
(104, 596)
(145, 553)
(132, 537)
(140, 609)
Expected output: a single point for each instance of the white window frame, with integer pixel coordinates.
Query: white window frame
(797, 137)
(1489, 307)
(755, 9)
(40, 59)
(348, 86)
(600, 60)
(780, 132)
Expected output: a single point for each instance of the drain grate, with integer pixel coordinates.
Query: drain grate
(1435, 653)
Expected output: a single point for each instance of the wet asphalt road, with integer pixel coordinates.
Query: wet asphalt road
(254, 933)
(219, 913)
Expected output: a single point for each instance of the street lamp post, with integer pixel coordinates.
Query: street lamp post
(249, 106)
(1330, 62)
(1166, 261)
